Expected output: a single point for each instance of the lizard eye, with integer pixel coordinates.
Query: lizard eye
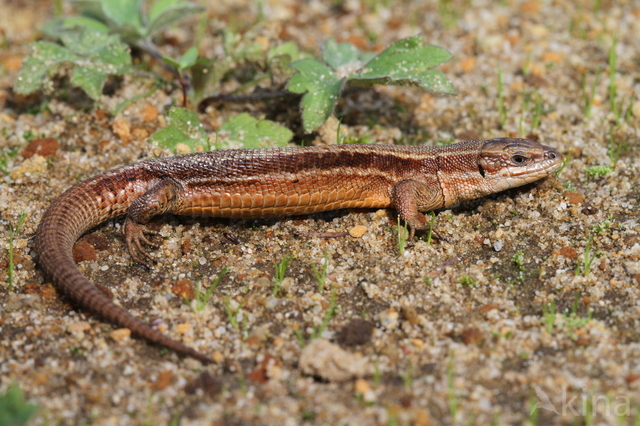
(519, 159)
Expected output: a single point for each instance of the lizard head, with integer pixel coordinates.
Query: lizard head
(508, 163)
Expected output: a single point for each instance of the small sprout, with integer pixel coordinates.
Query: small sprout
(12, 233)
(403, 234)
(467, 281)
(321, 276)
(502, 109)
(432, 221)
(588, 96)
(232, 314)
(280, 270)
(330, 313)
(549, 316)
(518, 260)
(202, 298)
(598, 171)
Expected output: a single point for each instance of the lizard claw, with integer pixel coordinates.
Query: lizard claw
(135, 236)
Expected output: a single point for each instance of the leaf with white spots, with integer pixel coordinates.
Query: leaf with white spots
(185, 128)
(408, 61)
(321, 88)
(254, 133)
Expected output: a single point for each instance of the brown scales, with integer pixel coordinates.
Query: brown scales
(272, 182)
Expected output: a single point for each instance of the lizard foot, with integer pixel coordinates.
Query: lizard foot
(135, 236)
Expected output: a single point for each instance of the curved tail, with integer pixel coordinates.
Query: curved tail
(79, 209)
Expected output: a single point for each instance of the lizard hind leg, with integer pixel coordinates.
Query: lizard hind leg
(411, 197)
(163, 197)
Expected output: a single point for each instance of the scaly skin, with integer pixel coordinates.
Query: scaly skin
(273, 182)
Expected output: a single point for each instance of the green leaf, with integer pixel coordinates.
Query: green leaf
(171, 61)
(285, 49)
(408, 61)
(185, 128)
(85, 22)
(14, 410)
(43, 57)
(123, 17)
(322, 89)
(89, 80)
(338, 55)
(189, 58)
(165, 13)
(93, 55)
(254, 133)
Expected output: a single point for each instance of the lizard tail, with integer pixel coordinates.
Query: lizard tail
(72, 214)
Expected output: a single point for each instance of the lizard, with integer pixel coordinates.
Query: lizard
(258, 183)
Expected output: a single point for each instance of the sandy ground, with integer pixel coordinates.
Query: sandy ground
(496, 322)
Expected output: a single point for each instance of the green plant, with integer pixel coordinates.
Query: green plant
(452, 399)
(598, 171)
(186, 128)
(92, 55)
(5, 155)
(518, 260)
(432, 221)
(502, 110)
(280, 270)
(330, 313)
(202, 298)
(403, 234)
(585, 265)
(126, 19)
(14, 410)
(589, 96)
(549, 315)
(12, 233)
(467, 281)
(407, 61)
(232, 314)
(321, 276)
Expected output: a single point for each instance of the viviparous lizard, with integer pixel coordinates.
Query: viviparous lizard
(261, 183)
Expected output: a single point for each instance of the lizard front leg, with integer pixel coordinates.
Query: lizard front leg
(411, 197)
(163, 197)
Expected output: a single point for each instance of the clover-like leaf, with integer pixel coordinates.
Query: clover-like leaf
(185, 127)
(321, 88)
(165, 13)
(408, 61)
(93, 55)
(254, 133)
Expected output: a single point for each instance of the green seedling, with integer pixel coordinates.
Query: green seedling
(467, 281)
(613, 88)
(12, 233)
(232, 315)
(14, 410)
(321, 273)
(403, 234)
(406, 62)
(452, 399)
(598, 171)
(331, 312)
(589, 95)
(549, 316)
(92, 55)
(202, 298)
(280, 270)
(518, 260)
(7, 154)
(502, 109)
(432, 221)
(254, 133)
